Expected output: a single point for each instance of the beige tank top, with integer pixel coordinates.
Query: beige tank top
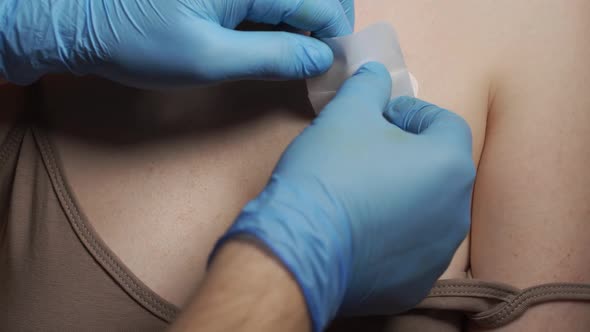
(56, 274)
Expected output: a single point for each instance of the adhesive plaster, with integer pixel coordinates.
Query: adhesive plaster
(377, 42)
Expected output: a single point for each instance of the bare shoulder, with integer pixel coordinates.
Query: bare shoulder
(449, 47)
(543, 51)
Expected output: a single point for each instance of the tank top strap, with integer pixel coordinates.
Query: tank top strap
(9, 146)
(493, 304)
(90, 239)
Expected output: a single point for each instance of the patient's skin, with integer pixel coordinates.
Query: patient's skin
(176, 194)
(161, 195)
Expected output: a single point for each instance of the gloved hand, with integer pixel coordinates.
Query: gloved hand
(367, 206)
(157, 43)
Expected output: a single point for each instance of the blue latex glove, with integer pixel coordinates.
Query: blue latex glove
(157, 43)
(367, 206)
(348, 6)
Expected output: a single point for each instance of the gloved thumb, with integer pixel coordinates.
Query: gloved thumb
(364, 95)
(268, 55)
(422, 118)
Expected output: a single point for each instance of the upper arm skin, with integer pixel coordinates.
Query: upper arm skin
(449, 46)
(531, 202)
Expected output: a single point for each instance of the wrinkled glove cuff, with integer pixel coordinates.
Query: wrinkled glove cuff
(307, 238)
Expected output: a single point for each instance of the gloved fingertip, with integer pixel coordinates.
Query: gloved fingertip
(377, 76)
(397, 109)
(316, 57)
(348, 6)
(402, 104)
(374, 68)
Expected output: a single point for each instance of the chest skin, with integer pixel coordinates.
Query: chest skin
(160, 175)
